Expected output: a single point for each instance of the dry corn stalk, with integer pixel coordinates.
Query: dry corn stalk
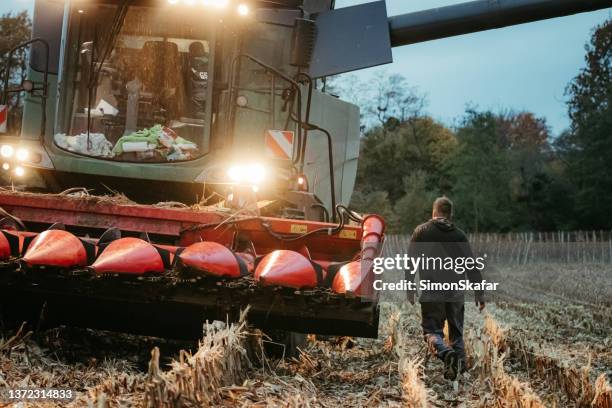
(603, 393)
(495, 333)
(197, 379)
(512, 392)
(489, 362)
(573, 381)
(414, 391)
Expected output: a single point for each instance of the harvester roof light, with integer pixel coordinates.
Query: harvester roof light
(243, 10)
(19, 171)
(22, 154)
(216, 3)
(7, 151)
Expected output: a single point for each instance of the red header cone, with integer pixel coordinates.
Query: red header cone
(288, 268)
(212, 258)
(56, 248)
(5, 247)
(132, 256)
(355, 278)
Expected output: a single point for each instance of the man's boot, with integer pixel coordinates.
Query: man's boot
(451, 365)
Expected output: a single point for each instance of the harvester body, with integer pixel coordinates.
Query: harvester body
(219, 111)
(162, 101)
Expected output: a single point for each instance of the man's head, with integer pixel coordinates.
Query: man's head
(442, 208)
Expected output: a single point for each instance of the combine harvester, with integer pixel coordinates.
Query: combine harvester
(215, 110)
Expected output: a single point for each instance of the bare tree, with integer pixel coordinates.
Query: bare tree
(384, 100)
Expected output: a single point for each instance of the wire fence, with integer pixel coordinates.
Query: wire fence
(517, 248)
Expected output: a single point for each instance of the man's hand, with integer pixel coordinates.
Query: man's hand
(480, 305)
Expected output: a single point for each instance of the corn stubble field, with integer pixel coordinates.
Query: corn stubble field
(544, 342)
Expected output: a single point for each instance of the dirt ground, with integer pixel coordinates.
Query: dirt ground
(546, 344)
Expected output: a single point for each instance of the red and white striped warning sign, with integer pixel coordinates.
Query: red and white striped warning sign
(3, 118)
(279, 144)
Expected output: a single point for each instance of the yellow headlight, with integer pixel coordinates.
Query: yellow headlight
(7, 151)
(243, 9)
(256, 173)
(250, 174)
(236, 173)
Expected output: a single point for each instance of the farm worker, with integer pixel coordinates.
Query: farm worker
(444, 253)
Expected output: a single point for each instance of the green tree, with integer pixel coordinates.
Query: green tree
(14, 30)
(525, 139)
(479, 169)
(414, 207)
(403, 151)
(587, 147)
(418, 144)
(377, 202)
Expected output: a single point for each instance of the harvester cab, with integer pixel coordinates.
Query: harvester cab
(232, 163)
(189, 101)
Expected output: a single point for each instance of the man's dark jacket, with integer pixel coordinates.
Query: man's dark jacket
(440, 238)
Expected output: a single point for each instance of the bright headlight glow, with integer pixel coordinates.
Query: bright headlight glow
(22, 154)
(252, 174)
(7, 151)
(243, 9)
(6, 166)
(236, 173)
(173, 1)
(19, 171)
(256, 173)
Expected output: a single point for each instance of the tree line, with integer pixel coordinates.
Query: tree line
(505, 171)
(15, 28)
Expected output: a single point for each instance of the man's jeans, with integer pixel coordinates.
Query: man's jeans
(433, 315)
